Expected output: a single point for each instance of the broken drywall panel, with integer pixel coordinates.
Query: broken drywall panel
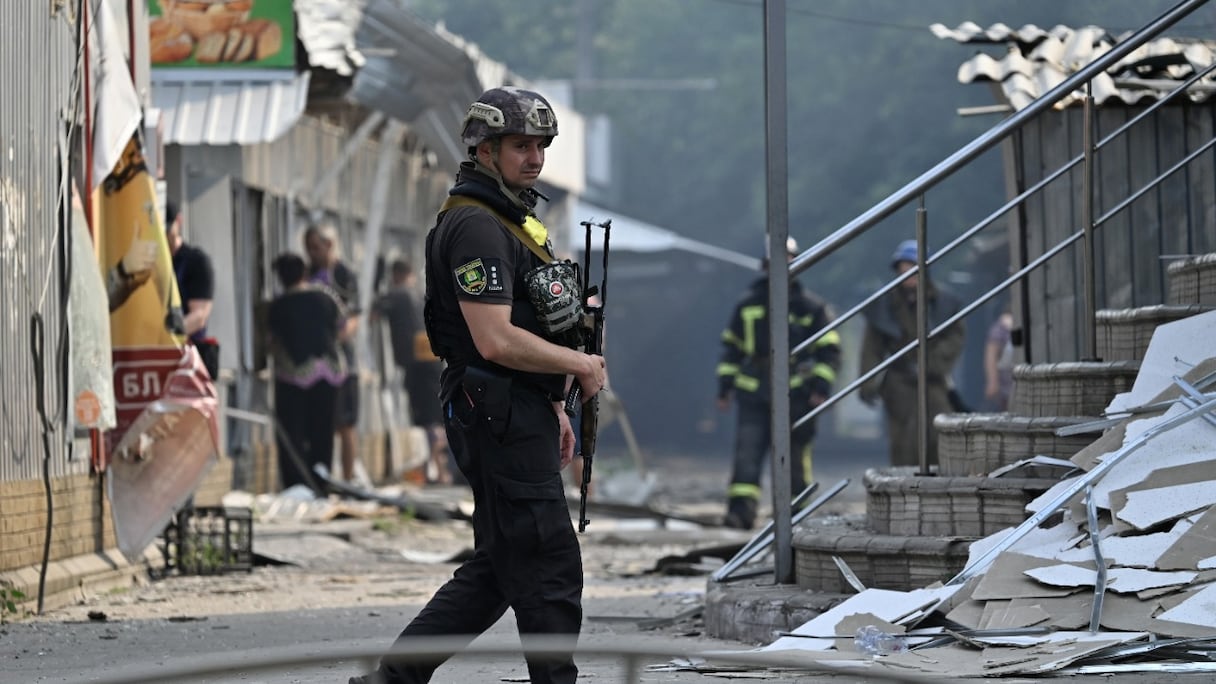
(1041, 542)
(1139, 551)
(992, 610)
(1174, 349)
(968, 614)
(1198, 609)
(1053, 653)
(1168, 476)
(1121, 580)
(952, 661)
(1065, 613)
(1109, 442)
(1006, 579)
(1128, 613)
(1063, 575)
(884, 604)
(1016, 616)
(1059, 650)
(1151, 507)
(1195, 544)
(963, 595)
(1190, 442)
(1207, 564)
(1133, 580)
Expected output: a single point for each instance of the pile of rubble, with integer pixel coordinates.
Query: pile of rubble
(1113, 570)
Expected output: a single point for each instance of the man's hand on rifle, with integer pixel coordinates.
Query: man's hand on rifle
(593, 379)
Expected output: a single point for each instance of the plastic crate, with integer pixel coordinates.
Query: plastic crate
(209, 540)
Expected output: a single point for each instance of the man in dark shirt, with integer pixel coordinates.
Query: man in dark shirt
(196, 283)
(502, 393)
(411, 351)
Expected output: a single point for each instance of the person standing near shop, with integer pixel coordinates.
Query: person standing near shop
(412, 353)
(502, 394)
(326, 268)
(304, 324)
(196, 282)
(891, 325)
(743, 375)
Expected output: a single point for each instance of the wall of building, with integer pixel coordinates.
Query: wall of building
(1132, 248)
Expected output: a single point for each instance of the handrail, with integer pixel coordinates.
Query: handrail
(1018, 201)
(962, 313)
(916, 190)
(987, 140)
(632, 652)
(995, 290)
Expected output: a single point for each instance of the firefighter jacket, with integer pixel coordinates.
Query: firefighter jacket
(745, 345)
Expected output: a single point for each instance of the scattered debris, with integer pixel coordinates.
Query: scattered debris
(1128, 545)
(765, 537)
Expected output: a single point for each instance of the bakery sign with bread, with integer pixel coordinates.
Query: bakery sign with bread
(222, 33)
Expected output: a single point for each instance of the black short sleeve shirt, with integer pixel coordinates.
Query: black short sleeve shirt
(473, 257)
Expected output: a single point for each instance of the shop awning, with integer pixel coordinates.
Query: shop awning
(228, 107)
(633, 235)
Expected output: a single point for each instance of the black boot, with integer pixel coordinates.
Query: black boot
(741, 513)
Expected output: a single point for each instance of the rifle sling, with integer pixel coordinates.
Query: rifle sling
(516, 229)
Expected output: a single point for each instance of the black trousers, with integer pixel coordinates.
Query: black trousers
(307, 416)
(525, 553)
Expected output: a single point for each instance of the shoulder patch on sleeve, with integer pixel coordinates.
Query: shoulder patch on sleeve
(493, 269)
(471, 277)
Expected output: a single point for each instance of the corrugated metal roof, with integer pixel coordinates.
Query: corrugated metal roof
(204, 107)
(1036, 60)
(634, 235)
(327, 30)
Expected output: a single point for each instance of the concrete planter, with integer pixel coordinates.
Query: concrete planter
(1193, 280)
(881, 561)
(901, 503)
(1080, 388)
(973, 444)
(1124, 334)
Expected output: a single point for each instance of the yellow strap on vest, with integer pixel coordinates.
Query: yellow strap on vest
(525, 233)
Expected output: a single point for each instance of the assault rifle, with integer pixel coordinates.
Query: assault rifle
(592, 332)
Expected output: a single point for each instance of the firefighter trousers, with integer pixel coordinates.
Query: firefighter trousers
(753, 437)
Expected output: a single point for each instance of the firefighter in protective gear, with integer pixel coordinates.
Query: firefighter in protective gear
(743, 374)
(891, 325)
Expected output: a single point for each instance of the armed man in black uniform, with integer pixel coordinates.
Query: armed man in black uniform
(743, 373)
(502, 393)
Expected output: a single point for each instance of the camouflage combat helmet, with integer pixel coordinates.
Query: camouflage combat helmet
(508, 111)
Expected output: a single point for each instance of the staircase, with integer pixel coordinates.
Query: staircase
(917, 529)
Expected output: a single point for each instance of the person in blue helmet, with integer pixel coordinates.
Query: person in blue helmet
(890, 325)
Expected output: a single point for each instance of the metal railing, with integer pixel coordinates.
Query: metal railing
(632, 654)
(914, 192)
